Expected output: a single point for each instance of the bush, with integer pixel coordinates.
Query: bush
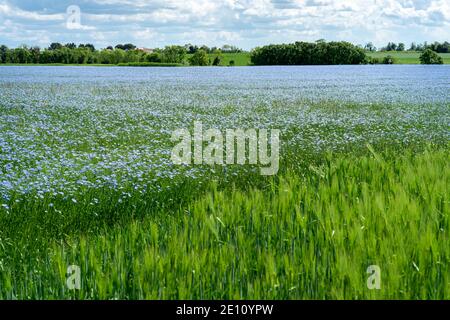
(173, 54)
(430, 57)
(217, 61)
(374, 61)
(389, 60)
(200, 58)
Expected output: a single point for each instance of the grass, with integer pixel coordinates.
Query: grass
(406, 57)
(306, 235)
(241, 59)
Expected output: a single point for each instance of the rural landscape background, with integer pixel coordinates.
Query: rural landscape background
(92, 205)
(227, 55)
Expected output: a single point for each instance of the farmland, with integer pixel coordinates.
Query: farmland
(243, 59)
(405, 57)
(86, 179)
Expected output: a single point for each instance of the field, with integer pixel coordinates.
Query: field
(406, 57)
(243, 59)
(86, 180)
(240, 59)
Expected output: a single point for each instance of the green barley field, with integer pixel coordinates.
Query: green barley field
(86, 180)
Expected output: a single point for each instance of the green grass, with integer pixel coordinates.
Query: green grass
(406, 57)
(240, 59)
(306, 235)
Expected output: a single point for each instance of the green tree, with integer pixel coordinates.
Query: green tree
(218, 58)
(200, 58)
(430, 57)
(401, 47)
(413, 47)
(3, 53)
(55, 46)
(87, 46)
(70, 45)
(173, 54)
(35, 53)
(370, 47)
(305, 53)
(153, 57)
(21, 55)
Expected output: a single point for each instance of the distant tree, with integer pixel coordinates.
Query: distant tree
(109, 48)
(173, 54)
(391, 46)
(218, 58)
(230, 49)
(3, 53)
(126, 47)
(232, 63)
(70, 45)
(413, 47)
(370, 47)
(420, 47)
(200, 58)
(21, 55)
(205, 48)
(305, 53)
(401, 47)
(87, 46)
(430, 57)
(55, 46)
(440, 47)
(190, 48)
(35, 53)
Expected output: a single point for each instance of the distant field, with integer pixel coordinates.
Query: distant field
(240, 59)
(406, 57)
(243, 59)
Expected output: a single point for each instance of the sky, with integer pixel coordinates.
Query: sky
(244, 23)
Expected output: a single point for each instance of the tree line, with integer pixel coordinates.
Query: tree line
(88, 54)
(71, 53)
(298, 53)
(438, 47)
(309, 53)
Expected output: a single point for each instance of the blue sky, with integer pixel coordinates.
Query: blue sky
(245, 23)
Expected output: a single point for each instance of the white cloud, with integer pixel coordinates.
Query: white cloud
(246, 23)
(14, 12)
